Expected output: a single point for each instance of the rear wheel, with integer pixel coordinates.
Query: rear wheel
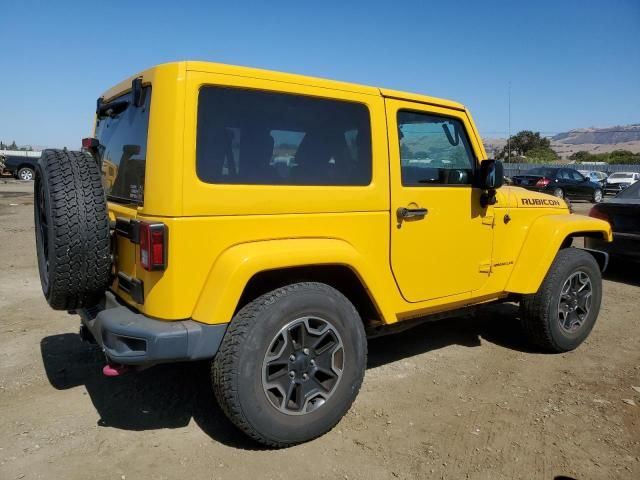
(291, 364)
(72, 230)
(560, 316)
(25, 173)
(558, 192)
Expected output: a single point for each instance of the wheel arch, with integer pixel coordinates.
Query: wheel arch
(245, 271)
(26, 165)
(546, 237)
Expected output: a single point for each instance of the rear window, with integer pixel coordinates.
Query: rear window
(123, 150)
(545, 172)
(267, 138)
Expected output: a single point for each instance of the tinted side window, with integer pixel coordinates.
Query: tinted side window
(577, 176)
(266, 138)
(434, 150)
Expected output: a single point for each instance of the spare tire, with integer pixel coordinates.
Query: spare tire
(72, 229)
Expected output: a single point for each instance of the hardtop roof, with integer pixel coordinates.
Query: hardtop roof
(225, 69)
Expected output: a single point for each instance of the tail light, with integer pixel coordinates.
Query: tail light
(153, 246)
(543, 182)
(595, 212)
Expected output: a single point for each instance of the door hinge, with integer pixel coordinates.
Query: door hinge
(485, 268)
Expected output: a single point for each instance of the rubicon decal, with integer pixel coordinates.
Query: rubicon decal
(535, 202)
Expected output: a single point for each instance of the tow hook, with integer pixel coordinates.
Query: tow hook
(114, 369)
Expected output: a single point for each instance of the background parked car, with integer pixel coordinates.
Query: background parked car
(620, 180)
(21, 166)
(623, 213)
(595, 176)
(561, 182)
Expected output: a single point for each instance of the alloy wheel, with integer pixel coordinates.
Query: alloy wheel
(575, 301)
(303, 365)
(26, 174)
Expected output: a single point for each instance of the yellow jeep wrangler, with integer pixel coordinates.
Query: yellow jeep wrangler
(271, 222)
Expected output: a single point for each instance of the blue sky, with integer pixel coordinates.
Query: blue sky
(570, 63)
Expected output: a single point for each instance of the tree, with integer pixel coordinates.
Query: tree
(581, 156)
(542, 155)
(615, 157)
(13, 146)
(624, 157)
(523, 142)
(2, 146)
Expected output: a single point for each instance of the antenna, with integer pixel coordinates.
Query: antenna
(509, 137)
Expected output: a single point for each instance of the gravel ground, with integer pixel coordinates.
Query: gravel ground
(460, 398)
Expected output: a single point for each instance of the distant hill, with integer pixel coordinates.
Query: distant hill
(600, 136)
(592, 140)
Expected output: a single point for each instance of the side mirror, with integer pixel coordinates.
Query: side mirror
(491, 174)
(490, 177)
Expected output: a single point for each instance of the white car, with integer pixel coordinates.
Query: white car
(620, 180)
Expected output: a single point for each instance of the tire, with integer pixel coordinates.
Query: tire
(597, 196)
(558, 192)
(242, 370)
(547, 322)
(25, 173)
(72, 230)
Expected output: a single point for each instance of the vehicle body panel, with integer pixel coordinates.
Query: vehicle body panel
(623, 213)
(220, 236)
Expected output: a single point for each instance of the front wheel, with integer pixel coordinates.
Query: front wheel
(291, 364)
(597, 196)
(562, 313)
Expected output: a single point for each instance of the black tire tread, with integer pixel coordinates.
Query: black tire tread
(534, 307)
(79, 250)
(225, 367)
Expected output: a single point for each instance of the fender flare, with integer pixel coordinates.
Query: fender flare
(235, 266)
(545, 238)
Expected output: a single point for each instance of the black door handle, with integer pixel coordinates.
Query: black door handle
(404, 212)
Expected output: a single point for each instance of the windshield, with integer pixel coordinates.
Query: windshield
(630, 192)
(123, 149)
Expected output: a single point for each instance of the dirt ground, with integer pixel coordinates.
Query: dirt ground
(461, 398)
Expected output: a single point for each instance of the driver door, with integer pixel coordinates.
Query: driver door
(441, 237)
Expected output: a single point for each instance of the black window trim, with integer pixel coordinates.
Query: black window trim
(283, 92)
(471, 184)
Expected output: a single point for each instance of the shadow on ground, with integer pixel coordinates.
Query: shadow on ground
(169, 396)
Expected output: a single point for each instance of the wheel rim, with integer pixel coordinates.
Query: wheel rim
(41, 231)
(558, 193)
(575, 301)
(303, 365)
(26, 174)
(597, 196)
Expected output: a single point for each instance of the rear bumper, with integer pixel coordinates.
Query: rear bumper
(131, 338)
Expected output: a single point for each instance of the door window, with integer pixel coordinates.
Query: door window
(577, 176)
(434, 150)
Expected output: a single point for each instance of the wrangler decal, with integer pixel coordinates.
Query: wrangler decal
(540, 201)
